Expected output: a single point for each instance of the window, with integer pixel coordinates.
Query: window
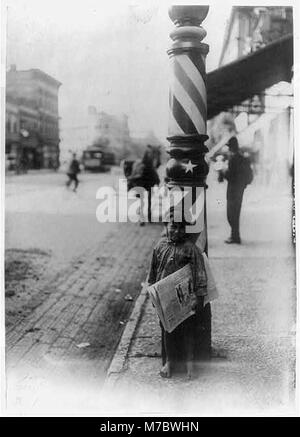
(7, 148)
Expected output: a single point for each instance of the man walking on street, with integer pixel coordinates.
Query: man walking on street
(239, 175)
(72, 172)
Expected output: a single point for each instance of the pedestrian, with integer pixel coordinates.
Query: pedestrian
(175, 250)
(72, 172)
(144, 175)
(238, 174)
(219, 167)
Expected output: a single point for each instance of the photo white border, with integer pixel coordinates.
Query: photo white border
(296, 17)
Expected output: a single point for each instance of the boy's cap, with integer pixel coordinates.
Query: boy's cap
(176, 212)
(233, 143)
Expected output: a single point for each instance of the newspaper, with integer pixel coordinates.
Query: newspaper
(174, 298)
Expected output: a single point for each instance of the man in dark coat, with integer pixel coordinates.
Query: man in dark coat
(144, 175)
(238, 176)
(72, 172)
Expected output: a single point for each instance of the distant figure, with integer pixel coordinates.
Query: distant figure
(127, 166)
(72, 172)
(220, 167)
(239, 174)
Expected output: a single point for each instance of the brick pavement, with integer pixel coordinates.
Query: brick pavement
(85, 304)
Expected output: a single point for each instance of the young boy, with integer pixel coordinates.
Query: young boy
(173, 252)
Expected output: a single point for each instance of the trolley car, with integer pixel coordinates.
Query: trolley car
(96, 158)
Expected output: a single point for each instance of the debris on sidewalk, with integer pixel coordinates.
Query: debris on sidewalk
(35, 329)
(83, 345)
(128, 297)
(25, 275)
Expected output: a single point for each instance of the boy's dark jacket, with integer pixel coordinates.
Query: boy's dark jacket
(169, 257)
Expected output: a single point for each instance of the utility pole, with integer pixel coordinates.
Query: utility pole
(187, 167)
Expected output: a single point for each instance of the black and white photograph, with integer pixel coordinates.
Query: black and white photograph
(148, 209)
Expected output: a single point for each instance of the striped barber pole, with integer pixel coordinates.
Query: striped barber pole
(188, 104)
(187, 167)
(188, 101)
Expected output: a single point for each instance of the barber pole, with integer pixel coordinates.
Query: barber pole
(188, 107)
(187, 119)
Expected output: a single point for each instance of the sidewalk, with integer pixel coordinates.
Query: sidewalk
(252, 370)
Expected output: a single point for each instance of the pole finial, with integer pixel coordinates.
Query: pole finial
(188, 15)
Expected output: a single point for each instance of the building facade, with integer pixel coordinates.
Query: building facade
(263, 123)
(111, 130)
(98, 128)
(32, 120)
(251, 28)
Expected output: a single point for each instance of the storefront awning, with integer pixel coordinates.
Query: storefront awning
(240, 80)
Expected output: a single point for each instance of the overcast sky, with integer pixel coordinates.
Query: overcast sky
(106, 53)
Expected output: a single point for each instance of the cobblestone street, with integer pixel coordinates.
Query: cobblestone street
(74, 332)
(79, 313)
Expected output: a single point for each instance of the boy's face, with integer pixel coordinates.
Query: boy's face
(175, 231)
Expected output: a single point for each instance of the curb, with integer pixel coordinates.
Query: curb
(117, 365)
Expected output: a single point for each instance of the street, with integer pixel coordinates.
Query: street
(83, 277)
(40, 211)
(52, 223)
(65, 323)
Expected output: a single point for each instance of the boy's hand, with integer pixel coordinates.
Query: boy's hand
(194, 302)
(198, 304)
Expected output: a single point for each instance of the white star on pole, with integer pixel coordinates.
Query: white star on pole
(189, 166)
